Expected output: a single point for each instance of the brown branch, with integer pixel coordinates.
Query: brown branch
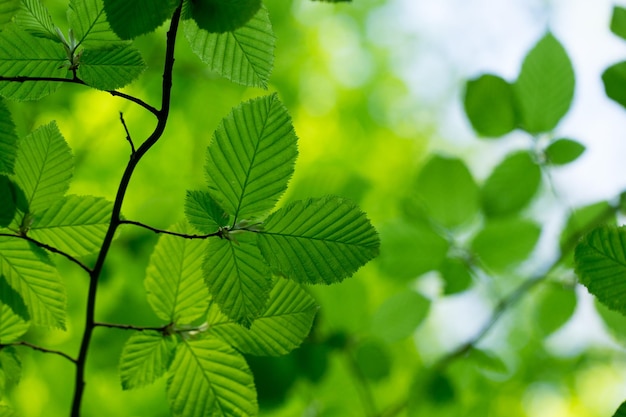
(40, 349)
(167, 232)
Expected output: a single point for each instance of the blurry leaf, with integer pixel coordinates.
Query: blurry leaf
(251, 157)
(130, 19)
(238, 278)
(373, 359)
(601, 265)
(440, 389)
(29, 272)
(555, 306)
(43, 167)
(278, 330)
(487, 360)
(244, 56)
(614, 79)
(614, 321)
(7, 202)
(410, 250)
(174, 283)
(11, 325)
(400, 315)
(618, 22)
(456, 276)
(35, 19)
(8, 141)
(145, 358)
(8, 9)
(447, 191)
(582, 220)
(209, 378)
(110, 68)
(511, 185)
(313, 360)
(74, 224)
(490, 105)
(10, 368)
(89, 24)
(621, 411)
(24, 55)
(545, 87)
(501, 244)
(274, 377)
(318, 241)
(564, 151)
(218, 16)
(204, 213)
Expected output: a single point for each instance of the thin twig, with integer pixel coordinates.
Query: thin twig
(40, 349)
(128, 138)
(50, 249)
(161, 329)
(167, 232)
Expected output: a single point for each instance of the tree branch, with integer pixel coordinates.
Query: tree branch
(167, 232)
(40, 349)
(128, 137)
(161, 329)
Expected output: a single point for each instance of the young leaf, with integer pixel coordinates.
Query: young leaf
(7, 202)
(204, 213)
(399, 316)
(318, 241)
(43, 167)
(218, 16)
(545, 86)
(176, 290)
(35, 19)
(555, 307)
(564, 151)
(281, 328)
(251, 157)
(11, 367)
(511, 185)
(446, 190)
(74, 224)
(601, 265)
(244, 56)
(145, 358)
(503, 243)
(24, 55)
(29, 272)
(614, 79)
(11, 325)
(490, 105)
(237, 276)
(110, 68)
(90, 26)
(8, 9)
(621, 411)
(8, 141)
(130, 19)
(618, 21)
(209, 378)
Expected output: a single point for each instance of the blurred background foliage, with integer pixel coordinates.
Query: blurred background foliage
(392, 340)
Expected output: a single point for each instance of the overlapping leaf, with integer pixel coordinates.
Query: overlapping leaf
(281, 328)
(10, 368)
(220, 15)
(110, 68)
(8, 206)
(318, 241)
(209, 378)
(204, 213)
(130, 19)
(8, 141)
(145, 358)
(251, 157)
(24, 55)
(35, 19)
(244, 55)
(90, 25)
(29, 272)
(43, 168)
(13, 300)
(490, 105)
(11, 325)
(238, 277)
(176, 289)
(74, 224)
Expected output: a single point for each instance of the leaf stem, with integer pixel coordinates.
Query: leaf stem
(40, 349)
(128, 137)
(161, 329)
(167, 232)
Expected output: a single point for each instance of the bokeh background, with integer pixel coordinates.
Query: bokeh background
(374, 88)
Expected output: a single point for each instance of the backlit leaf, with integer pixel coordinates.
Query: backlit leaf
(220, 15)
(490, 105)
(398, 317)
(130, 19)
(251, 157)
(10, 368)
(13, 300)
(145, 358)
(8, 141)
(555, 307)
(456, 275)
(7, 202)
(11, 325)
(110, 68)
(35, 19)
(91, 28)
(209, 378)
(204, 213)
(564, 151)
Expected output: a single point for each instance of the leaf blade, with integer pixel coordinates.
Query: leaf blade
(110, 68)
(8, 141)
(145, 358)
(129, 19)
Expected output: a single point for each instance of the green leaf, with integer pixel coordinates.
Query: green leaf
(35, 19)
(238, 278)
(8, 9)
(145, 358)
(204, 213)
(209, 378)
(447, 192)
(13, 300)
(74, 224)
(110, 68)
(281, 328)
(7, 202)
(218, 16)
(614, 79)
(621, 411)
(244, 56)
(487, 360)
(582, 220)
(601, 265)
(618, 21)
(399, 316)
(545, 87)
(456, 275)
(251, 157)
(373, 359)
(318, 241)
(43, 168)
(490, 105)
(10, 368)
(29, 272)
(11, 325)
(511, 186)
(555, 307)
(23, 55)
(503, 243)
(89, 23)
(8, 141)
(614, 321)
(564, 151)
(176, 290)
(130, 19)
